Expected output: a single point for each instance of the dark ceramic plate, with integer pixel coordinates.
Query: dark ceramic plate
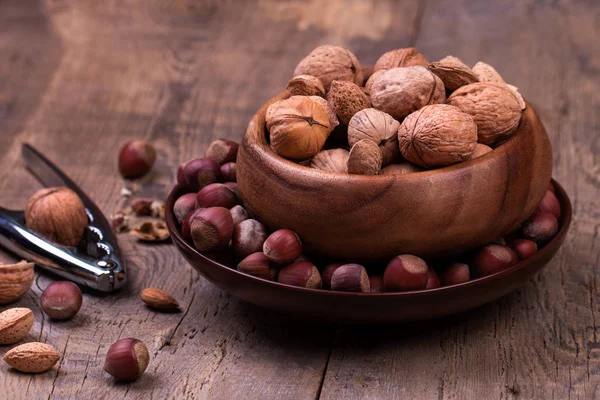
(348, 307)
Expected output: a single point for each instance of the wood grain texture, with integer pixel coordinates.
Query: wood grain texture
(79, 78)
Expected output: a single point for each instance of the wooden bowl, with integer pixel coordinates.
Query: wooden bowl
(369, 218)
(365, 307)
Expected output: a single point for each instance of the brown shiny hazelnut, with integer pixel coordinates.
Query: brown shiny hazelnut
(433, 281)
(480, 150)
(61, 300)
(305, 85)
(58, 215)
(491, 259)
(376, 284)
(524, 248)
(239, 214)
(350, 278)
(334, 160)
(540, 227)
(184, 205)
(454, 274)
(405, 272)
(406, 57)
(228, 172)
(198, 173)
(234, 187)
(136, 159)
(283, 246)
(380, 128)
(301, 273)
(211, 228)
(550, 204)
(327, 272)
(127, 359)
(186, 231)
(216, 195)
(222, 151)
(330, 63)
(158, 299)
(400, 169)
(257, 264)
(248, 237)
(364, 158)
(347, 99)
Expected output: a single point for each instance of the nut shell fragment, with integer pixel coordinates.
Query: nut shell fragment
(152, 231)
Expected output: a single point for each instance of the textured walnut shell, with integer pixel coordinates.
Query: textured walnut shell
(58, 215)
(515, 92)
(369, 82)
(453, 72)
(331, 63)
(378, 127)
(437, 135)
(334, 160)
(401, 91)
(364, 158)
(305, 85)
(298, 127)
(347, 99)
(400, 169)
(486, 73)
(494, 109)
(407, 57)
(15, 281)
(333, 118)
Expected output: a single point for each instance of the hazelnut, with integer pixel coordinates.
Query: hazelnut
(120, 220)
(61, 300)
(330, 63)
(136, 159)
(376, 284)
(401, 91)
(298, 127)
(216, 195)
(328, 272)
(127, 359)
(283, 246)
(454, 274)
(184, 205)
(158, 299)
(228, 172)
(493, 107)
(433, 281)
(405, 272)
(333, 118)
(540, 227)
(334, 160)
(305, 85)
(491, 259)
(364, 158)
(550, 204)
(222, 151)
(257, 264)
(400, 169)
(15, 324)
(486, 73)
(186, 230)
(347, 99)
(211, 228)
(378, 127)
(301, 273)
(248, 237)
(480, 150)
(239, 214)
(453, 73)
(58, 215)
(437, 135)
(198, 173)
(350, 278)
(524, 248)
(407, 57)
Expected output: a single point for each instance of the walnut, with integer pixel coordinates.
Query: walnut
(330, 63)
(298, 127)
(364, 158)
(369, 82)
(58, 215)
(347, 99)
(401, 91)
(486, 73)
(335, 160)
(305, 85)
(494, 108)
(453, 72)
(378, 127)
(437, 135)
(520, 99)
(333, 118)
(400, 169)
(401, 58)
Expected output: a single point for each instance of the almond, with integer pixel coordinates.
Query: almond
(15, 281)
(32, 357)
(15, 324)
(159, 299)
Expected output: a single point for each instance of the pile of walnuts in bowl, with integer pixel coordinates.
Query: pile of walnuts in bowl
(409, 115)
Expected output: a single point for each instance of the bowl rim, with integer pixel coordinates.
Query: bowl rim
(564, 223)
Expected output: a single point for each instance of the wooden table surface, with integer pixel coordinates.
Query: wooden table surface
(79, 78)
